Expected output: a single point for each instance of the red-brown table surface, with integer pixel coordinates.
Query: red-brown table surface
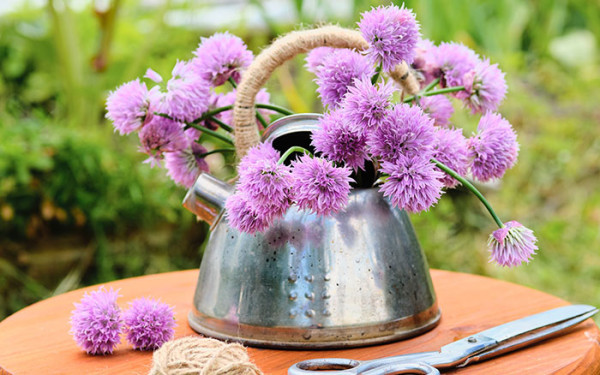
(35, 340)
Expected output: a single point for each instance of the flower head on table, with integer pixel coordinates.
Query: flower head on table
(96, 322)
(149, 323)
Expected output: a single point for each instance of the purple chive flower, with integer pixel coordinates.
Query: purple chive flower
(262, 97)
(319, 186)
(406, 131)
(153, 76)
(220, 57)
(494, 149)
(392, 34)
(161, 135)
(438, 107)
(425, 62)
(264, 190)
(451, 149)
(242, 216)
(185, 165)
(213, 103)
(485, 87)
(96, 322)
(337, 73)
(127, 106)
(149, 323)
(314, 59)
(365, 105)
(454, 60)
(414, 184)
(188, 95)
(266, 184)
(512, 244)
(257, 154)
(339, 141)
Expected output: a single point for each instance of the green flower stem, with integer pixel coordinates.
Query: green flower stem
(210, 132)
(290, 151)
(195, 125)
(436, 92)
(469, 186)
(261, 119)
(218, 110)
(210, 114)
(163, 115)
(431, 85)
(221, 124)
(444, 90)
(213, 112)
(376, 75)
(275, 108)
(230, 80)
(216, 151)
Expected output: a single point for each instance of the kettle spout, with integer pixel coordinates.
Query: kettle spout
(206, 198)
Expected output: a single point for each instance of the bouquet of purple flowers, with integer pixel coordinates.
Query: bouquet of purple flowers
(408, 139)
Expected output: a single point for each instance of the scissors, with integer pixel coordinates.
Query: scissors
(478, 347)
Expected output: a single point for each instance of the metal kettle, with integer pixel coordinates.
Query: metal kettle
(356, 278)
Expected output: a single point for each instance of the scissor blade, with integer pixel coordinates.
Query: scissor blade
(529, 338)
(534, 322)
(511, 336)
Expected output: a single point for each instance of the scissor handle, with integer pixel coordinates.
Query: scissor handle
(353, 367)
(313, 366)
(403, 368)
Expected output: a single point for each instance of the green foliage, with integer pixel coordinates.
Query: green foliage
(73, 203)
(77, 206)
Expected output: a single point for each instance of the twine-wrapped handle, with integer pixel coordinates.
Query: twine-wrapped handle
(281, 50)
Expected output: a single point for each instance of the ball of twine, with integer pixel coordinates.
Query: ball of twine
(202, 356)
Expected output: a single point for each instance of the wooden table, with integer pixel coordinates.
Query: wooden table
(35, 340)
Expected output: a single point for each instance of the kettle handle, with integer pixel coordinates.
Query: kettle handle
(283, 49)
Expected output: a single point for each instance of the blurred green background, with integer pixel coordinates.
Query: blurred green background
(78, 207)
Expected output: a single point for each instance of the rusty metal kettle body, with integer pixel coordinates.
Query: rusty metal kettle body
(356, 278)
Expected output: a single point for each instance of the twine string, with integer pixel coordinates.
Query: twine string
(202, 356)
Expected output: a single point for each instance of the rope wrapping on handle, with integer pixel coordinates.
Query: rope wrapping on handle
(282, 50)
